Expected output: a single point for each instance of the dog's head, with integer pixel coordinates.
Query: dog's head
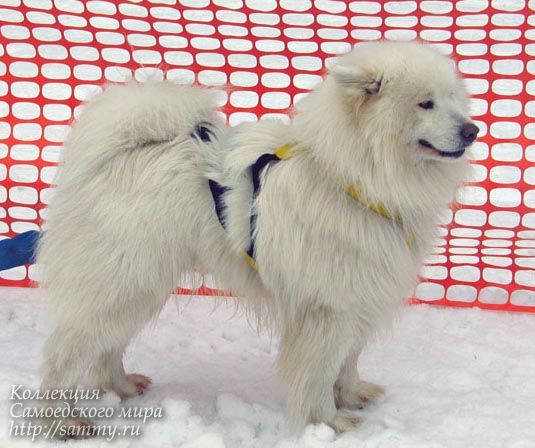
(408, 97)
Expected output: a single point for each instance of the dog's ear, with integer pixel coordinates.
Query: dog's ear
(357, 81)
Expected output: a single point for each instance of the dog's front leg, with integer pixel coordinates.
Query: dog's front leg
(314, 346)
(350, 391)
(109, 375)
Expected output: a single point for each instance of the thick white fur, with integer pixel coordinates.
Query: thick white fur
(133, 211)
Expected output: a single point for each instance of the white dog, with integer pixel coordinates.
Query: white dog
(335, 233)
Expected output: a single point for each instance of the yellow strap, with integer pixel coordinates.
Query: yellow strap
(378, 208)
(285, 151)
(250, 260)
(410, 239)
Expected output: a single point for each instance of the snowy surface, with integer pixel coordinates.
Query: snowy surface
(454, 378)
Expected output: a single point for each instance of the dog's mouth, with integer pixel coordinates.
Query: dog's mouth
(448, 154)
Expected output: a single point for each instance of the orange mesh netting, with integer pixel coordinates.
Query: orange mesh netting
(56, 54)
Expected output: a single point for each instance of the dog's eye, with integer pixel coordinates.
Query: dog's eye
(427, 104)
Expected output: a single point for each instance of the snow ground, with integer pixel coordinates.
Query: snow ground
(454, 377)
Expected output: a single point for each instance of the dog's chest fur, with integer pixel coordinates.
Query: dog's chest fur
(314, 242)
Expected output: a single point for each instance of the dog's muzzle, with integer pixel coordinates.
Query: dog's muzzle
(467, 134)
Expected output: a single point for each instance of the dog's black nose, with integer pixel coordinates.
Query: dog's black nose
(469, 132)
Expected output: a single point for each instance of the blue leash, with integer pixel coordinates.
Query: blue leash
(19, 250)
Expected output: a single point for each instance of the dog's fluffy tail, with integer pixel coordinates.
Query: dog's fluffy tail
(113, 137)
(136, 115)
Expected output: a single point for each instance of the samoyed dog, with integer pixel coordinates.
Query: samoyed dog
(322, 223)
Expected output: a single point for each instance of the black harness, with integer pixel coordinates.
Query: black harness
(204, 133)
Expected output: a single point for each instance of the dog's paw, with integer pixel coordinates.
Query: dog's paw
(360, 395)
(141, 382)
(345, 420)
(130, 385)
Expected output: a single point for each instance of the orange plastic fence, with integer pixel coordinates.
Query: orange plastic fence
(54, 55)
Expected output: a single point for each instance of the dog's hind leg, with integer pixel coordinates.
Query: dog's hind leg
(96, 338)
(314, 346)
(68, 352)
(349, 390)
